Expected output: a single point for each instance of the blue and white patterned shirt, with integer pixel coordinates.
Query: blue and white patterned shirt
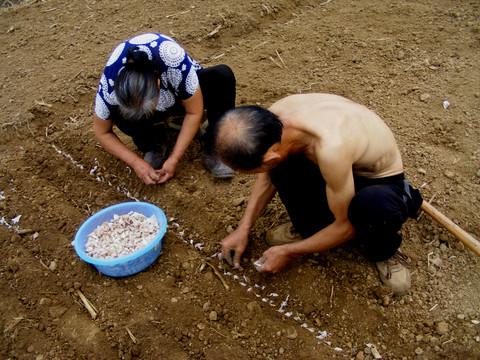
(178, 72)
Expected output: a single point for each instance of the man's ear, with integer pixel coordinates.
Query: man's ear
(272, 156)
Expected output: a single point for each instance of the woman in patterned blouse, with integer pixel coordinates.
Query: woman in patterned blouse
(147, 80)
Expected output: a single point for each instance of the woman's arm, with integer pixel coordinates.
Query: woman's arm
(191, 124)
(104, 134)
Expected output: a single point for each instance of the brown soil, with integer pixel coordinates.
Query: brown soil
(402, 59)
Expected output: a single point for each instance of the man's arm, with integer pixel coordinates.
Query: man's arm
(336, 168)
(262, 193)
(104, 134)
(191, 124)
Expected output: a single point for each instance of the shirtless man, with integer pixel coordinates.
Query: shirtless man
(337, 169)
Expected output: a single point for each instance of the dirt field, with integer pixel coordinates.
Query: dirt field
(402, 59)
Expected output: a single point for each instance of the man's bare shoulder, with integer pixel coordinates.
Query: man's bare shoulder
(336, 125)
(301, 100)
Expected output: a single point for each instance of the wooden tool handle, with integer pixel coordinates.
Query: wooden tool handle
(467, 239)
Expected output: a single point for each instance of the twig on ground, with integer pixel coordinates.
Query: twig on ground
(276, 63)
(28, 127)
(45, 266)
(219, 333)
(75, 75)
(43, 103)
(32, 2)
(214, 31)
(25, 231)
(446, 342)
(280, 59)
(325, 3)
(258, 45)
(218, 56)
(88, 305)
(134, 339)
(219, 276)
(14, 323)
(331, 298)
(176, 14)
(280, 213)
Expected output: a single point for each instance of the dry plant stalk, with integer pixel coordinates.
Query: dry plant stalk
(219, 276)
(281, 59)
(214, 31)
(276, 63)
(331, 298)
(15, 322)
(42, 103)
(25, 231)
(88, 305)
(134, 339)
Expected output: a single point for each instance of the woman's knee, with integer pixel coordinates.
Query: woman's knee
(218, 73)
(225, 72)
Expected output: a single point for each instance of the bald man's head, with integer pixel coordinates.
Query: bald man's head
(244, 134)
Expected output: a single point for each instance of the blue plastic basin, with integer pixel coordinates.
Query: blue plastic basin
(129, 264)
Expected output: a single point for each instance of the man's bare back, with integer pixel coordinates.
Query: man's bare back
(350, 131)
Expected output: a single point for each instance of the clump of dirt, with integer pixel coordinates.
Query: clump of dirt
(403, 60)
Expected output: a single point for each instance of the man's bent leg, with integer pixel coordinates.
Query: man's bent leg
(377, 212)
(302, 190)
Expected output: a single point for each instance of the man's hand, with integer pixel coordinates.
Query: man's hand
(146, 172)
(233, 246)
(273, 260)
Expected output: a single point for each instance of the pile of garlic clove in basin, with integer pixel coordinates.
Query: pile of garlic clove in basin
(121, 236)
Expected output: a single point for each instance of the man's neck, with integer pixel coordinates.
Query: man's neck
(294, 140)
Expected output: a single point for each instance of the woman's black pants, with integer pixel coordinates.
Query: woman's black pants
(218, 89)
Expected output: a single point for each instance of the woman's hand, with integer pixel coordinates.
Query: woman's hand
(145, 172)
(167, 171)
(107, 138)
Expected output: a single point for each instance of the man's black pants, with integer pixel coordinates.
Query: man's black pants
(218, 89)
(377, 211)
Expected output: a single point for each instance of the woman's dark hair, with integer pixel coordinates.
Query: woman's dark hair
(247, 132)
(136, 86)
